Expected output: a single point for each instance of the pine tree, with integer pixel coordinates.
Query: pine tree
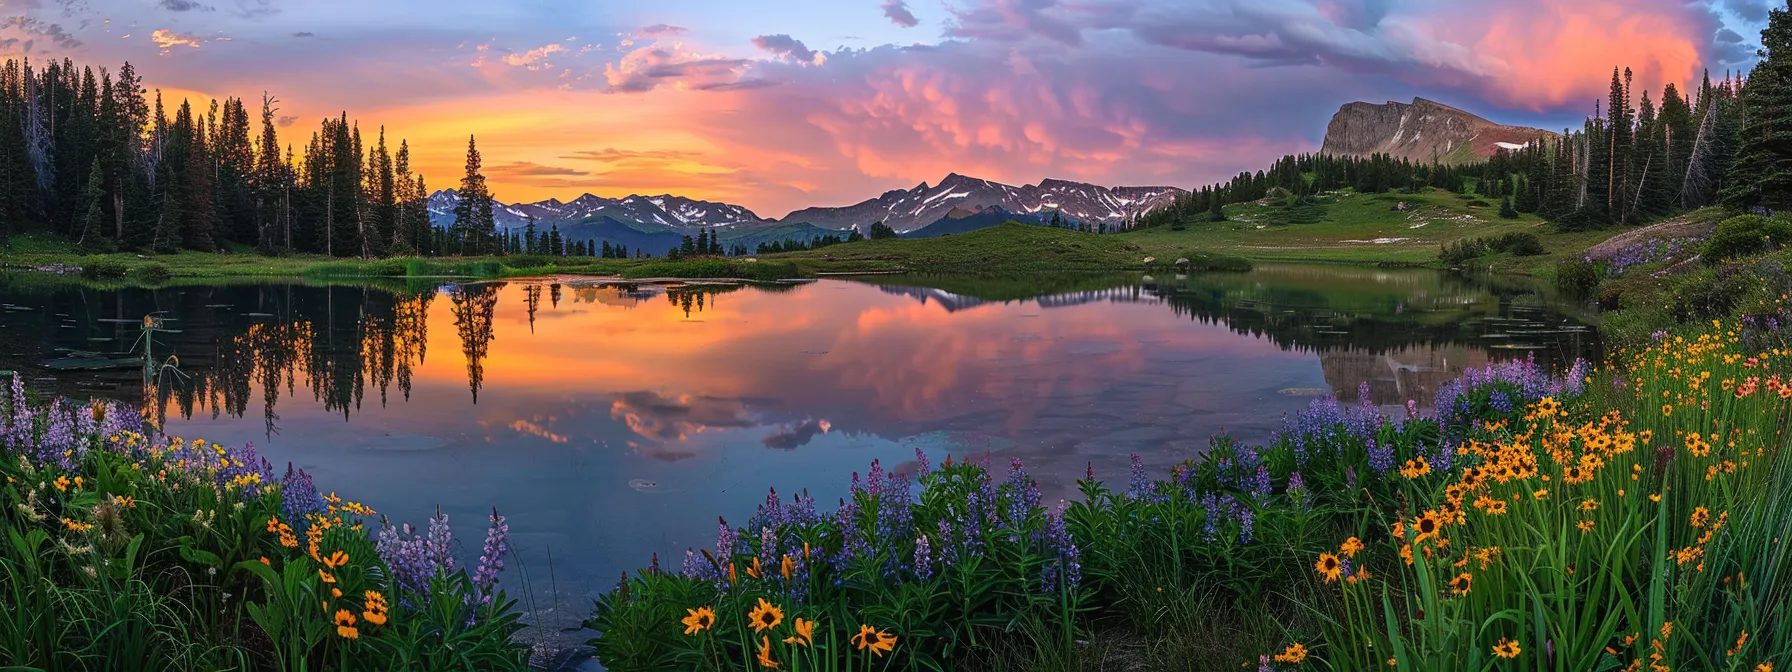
(1761, 175)
(473, 225)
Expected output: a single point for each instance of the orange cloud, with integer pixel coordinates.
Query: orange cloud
(1552, 53)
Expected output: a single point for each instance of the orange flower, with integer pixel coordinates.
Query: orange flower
(765, 616)
(345, 624)
(1293, 655)
(1351, 547)
(805, 633)
(1329, 567)
(697, 620)
(765, 653)
(374, 607)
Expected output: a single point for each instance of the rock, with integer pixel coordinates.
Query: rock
(1150, 259)
(1422, 131)
(1182, 261)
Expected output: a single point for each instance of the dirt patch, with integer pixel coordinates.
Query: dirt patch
(1678, 227)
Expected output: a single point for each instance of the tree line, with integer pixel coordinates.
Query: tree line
(93, 156)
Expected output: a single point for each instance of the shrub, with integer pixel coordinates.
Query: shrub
(104, 269)
(1470, 249)
(1747, 235)
(1578, 277)
(154, 273)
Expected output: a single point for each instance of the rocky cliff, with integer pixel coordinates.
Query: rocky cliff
(1422, 131)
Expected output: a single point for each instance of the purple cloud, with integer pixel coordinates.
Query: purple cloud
(661, 30)
(785, 45)
(897, 12)
(183, 6)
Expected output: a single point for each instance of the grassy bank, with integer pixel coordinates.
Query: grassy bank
(1370, 229)
(1011, 248)
(1593, 522)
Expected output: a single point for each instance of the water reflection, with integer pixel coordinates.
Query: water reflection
(610, 421)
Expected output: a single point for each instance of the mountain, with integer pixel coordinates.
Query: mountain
(673, 212)
(912, 209)
(1422, 131)
(960, 220)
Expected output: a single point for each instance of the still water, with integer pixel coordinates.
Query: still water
(612, 422)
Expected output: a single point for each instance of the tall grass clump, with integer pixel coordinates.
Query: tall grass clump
(1626, 520)
(125, 549)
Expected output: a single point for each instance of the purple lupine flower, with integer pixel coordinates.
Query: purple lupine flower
(1260, 486)
(725, 540)
(1412, 409)
(1295, 482)
(895, 517)
(874, 480)
(415, 559)
(923, 467)
(1500, 402)
(20, 423)
(948, 549)
(1381, 458)
(923, 558)
(1140, 484)
(1263, 664)
(299, 496)
(1350, 477)
(1063, 571)
(491, 559)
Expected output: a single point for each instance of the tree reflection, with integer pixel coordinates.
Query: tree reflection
(474, 307)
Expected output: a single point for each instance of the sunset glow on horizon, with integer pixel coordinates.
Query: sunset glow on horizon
(797, 103)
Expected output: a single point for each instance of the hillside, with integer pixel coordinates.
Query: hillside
(1422, 131)
(1012, 247)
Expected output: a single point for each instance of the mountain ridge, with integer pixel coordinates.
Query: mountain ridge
(1421, 131)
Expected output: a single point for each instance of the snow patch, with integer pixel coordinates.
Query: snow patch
(1378, 241)
(1508, 145)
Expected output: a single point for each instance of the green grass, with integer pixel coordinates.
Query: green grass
(1006, 249)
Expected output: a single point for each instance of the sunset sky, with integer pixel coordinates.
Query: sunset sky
(780, 104)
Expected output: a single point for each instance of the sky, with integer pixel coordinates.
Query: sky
(780, 104)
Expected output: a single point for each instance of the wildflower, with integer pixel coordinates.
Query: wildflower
(345, 624)
(1329, 567)
(336, 559)
(62, 483)
(786, 567)
(264, 560)
(765, 653)
(1351, 547)
(1415, 468)
(374, 607)
(1293, 655)
(1589, 504)
(805, 633)
(1427, 525)
(699, 619)
(1764, 667)
(1667, 629)
(1462, 583)
(1741, 640)
(1700, 517)
(1540, 494)
(74, 526)
(765, 616)
(326, 576)
(1507, 648)
(753, 569)
(1667, 410)
(1585, 525)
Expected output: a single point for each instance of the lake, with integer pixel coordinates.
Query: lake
(611, 422)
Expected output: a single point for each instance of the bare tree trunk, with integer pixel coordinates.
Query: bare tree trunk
(1638, 201)
(1694, 184)
(118, 211)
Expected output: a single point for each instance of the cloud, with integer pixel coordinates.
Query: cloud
(785, 45)
(529, 169)
(660, 30)
(614, 155)
(897, 12)
(34, 28)
(659, 418)
(1752, 11)
(183, 6)
(652, 67)
(801, 435)
(286, 120)
(304, 33)
(534, 59)
(167, 39)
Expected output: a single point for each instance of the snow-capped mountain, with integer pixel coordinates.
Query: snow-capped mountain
(904, 210)
(912, 209)
(674, 212)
